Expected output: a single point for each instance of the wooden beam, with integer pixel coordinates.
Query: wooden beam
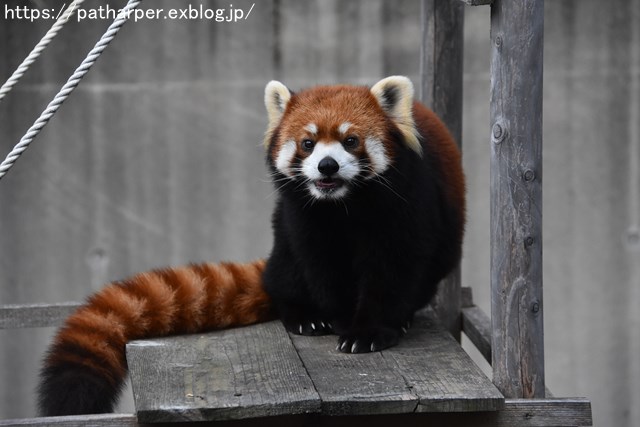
(103, 420)
(516, 413)
(466, 297)
(477, 327)
(477, 2)
(516, 197)
(35, 315)
(441, 90)
(546, 412)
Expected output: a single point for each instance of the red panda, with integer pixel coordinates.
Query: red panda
(369, 218)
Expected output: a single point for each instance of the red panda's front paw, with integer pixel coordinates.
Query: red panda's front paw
(369, 341)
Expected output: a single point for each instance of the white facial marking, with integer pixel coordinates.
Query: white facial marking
(335, 194)
(347, 162)
(344, 127)
(312, 128)
(377, 155)
(284, 157)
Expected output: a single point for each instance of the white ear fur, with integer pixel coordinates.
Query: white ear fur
(276, 98)
(395, 96)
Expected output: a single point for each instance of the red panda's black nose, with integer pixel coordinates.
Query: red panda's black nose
(328, 166)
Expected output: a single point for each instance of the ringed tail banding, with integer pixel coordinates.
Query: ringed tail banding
(86, 367)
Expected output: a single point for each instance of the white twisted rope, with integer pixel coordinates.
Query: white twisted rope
(35, 53)
(71, 84)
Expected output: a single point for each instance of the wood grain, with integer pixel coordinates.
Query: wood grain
(516, 413)
(426, 372)
(353, 384)
(516, 197)
(441, 90)
(238, 373)
(440, 373)
(35, 315)
(260, 371)
(477, 2)
(103, 420)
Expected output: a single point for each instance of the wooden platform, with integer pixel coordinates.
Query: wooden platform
(262, 371)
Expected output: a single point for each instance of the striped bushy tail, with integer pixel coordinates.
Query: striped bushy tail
(85, 367)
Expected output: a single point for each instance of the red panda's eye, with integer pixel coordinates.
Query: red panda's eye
(307, 144)
(351, 142)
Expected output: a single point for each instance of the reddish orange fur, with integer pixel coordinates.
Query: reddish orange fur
(194, 298)
(189, 291)
(437, 137)
(354, 104)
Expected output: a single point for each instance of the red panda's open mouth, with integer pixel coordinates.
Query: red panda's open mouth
(328, 184)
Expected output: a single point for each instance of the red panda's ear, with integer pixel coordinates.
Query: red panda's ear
(276, 98)
(395, 95)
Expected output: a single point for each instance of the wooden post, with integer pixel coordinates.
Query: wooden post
(516, 197)
(441, 90)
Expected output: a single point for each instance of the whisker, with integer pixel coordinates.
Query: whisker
(391, 189)
(311, 200)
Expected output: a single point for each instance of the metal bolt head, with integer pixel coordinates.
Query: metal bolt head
(528, 241)
(535, 307)
(529, 175)
(498, 41)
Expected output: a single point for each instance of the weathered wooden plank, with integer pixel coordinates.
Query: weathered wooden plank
(231, 374)
(103, 420)
(477, 326)
(516, 197)
(353, 384)
(546, 412)
(35, 315)
(255, 372)
(426, 372)
(477, 2)
(516, 413)
(441, 374)
(441, 90)
(466, 297)
(569, 412)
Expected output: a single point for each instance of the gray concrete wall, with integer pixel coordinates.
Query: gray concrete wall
(156, 160)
